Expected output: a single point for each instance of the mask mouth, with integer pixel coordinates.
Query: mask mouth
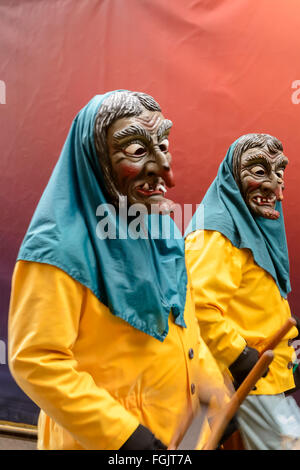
(152, 193)
(264, 201)
(149, 189)
(264, 206)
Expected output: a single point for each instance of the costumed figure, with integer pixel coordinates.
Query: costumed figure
(102, 329)
(239, 268)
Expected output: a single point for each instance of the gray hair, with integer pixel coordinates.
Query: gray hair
(117, 105)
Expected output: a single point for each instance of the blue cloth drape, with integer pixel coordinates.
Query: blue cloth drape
(139, 280)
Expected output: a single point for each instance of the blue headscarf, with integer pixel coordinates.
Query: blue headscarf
(139, 280)
(225, 211)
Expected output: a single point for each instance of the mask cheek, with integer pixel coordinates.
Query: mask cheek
(253, 185)
(250, 185)
(125, 173)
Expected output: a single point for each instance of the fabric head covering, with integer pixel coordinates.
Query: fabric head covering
(139, 280)
(225, 211)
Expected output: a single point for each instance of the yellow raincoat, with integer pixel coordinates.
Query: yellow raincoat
(238, 303)
(94, 376)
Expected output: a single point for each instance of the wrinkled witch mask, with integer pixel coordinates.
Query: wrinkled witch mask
(138, 161)
(139, 152)
(260, 178)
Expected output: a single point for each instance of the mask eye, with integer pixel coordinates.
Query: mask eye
(280, 173)
(135, 150)
(164, 146)
(258, 170)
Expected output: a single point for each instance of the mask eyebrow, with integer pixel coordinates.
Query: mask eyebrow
(131, 131)
(283, 161)
(256, 158)
(164, 127)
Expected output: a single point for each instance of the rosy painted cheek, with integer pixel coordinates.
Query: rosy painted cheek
(126, 171)
(252, 185)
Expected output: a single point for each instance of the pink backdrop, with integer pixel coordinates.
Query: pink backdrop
(219, 69)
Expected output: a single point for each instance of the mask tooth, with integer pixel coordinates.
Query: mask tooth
(161, 188)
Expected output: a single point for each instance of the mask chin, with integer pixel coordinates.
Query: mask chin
(164, 207)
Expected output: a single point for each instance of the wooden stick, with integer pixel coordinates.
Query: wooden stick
(221, 421)
(272, 343)
(17, 430)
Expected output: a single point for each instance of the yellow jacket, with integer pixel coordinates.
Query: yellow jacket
(238, 303)
(94, 376)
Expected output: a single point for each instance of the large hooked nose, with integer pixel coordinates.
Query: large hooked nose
(279, 189)
(160, 166)
(275, 185)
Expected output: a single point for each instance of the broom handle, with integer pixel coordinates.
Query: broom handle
(221, 421)
(266, 357)
(272, 343)
(258, 370)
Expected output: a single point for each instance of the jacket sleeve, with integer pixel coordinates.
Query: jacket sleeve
(215, 271)
(44, 322)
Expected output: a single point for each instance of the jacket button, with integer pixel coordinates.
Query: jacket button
(191, 353)
(290, 365)
(193, 388)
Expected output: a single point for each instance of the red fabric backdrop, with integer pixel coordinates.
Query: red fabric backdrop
(219, 69)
